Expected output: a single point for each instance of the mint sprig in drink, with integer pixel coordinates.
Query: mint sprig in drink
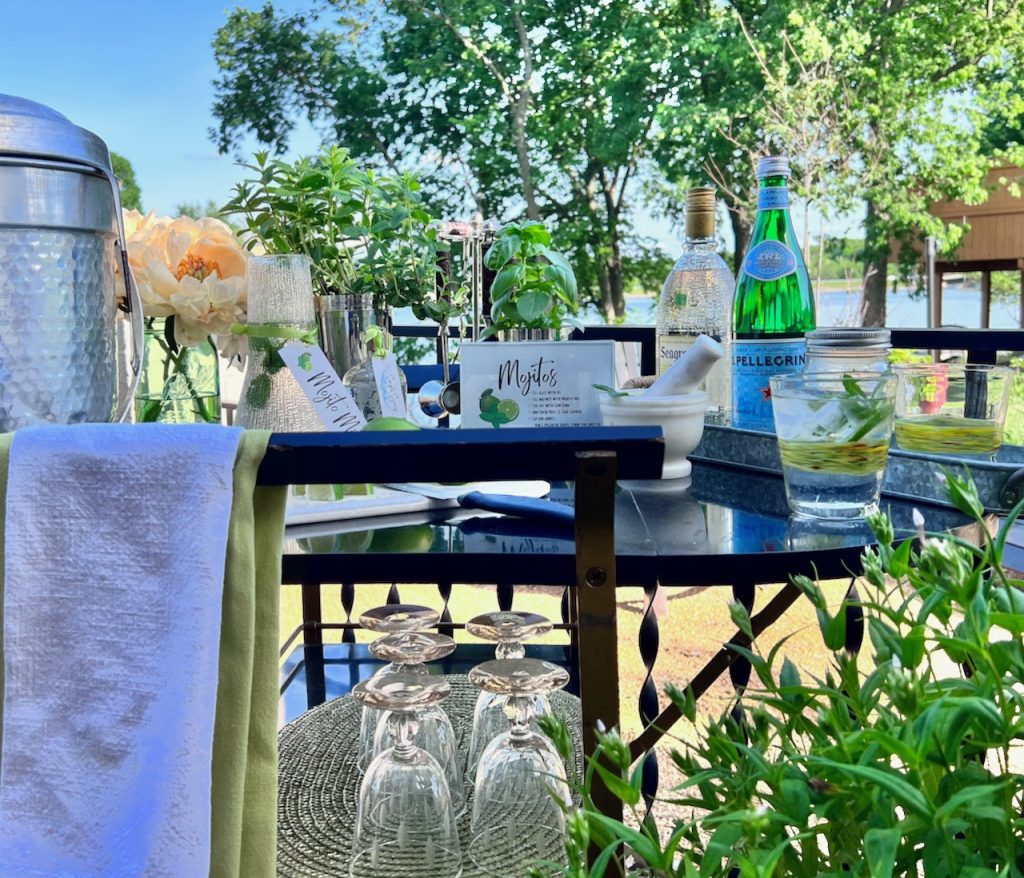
(834, 432)
(773, 306)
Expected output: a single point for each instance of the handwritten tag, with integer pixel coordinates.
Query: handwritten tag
(332, 401)
(389, 387)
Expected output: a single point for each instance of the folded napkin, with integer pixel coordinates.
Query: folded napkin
(141, 566)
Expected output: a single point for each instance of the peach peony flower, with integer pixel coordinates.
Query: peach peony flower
(192, 270)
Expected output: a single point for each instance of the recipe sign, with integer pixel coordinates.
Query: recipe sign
(534, 384)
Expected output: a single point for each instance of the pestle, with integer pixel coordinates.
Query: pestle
(688, 372)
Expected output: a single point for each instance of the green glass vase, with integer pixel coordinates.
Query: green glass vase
(177, 385)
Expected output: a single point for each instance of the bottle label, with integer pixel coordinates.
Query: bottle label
(754, 361)
(671, 346)
(773, 198)
(769, 260)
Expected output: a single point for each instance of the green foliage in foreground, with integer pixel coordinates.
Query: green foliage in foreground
(882, 767)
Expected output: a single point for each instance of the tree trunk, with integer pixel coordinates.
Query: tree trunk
(876, 269)
(741, 233)
(520, 112)
(604, 285)
(616, 288)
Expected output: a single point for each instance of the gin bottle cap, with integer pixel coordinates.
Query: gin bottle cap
(700, 212)
(772, 166)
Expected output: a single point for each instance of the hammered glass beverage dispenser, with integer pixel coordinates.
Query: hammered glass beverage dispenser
(63, 274)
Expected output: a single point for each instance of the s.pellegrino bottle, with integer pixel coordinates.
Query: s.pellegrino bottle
(697, 299)
(774, 304)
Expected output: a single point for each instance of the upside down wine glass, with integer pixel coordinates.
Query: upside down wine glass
(508, 630)
(434, 732)
(521, 793)
(390, 619)
(405, 822)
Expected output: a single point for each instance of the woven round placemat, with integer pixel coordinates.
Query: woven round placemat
(319, 786)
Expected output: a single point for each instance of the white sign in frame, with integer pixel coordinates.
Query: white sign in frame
(534, 383)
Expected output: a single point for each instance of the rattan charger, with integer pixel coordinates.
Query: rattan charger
(319, 782)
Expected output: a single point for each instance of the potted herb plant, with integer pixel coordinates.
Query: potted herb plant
(533, 379)
(373, 243)
(534, 289)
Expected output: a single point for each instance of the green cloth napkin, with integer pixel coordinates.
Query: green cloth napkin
(244, 767)
(244, 838)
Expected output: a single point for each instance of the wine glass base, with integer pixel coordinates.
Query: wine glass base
(413, 859)
(511, 849)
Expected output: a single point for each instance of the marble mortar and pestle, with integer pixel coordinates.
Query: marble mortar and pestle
(674, 402)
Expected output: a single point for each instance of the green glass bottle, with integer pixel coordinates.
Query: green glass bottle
(774, 304)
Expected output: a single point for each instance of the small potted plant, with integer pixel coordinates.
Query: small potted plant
(533, 294)
(532, 379)
(373, 244)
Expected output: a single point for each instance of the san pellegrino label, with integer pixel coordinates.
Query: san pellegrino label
(769, 260)
(773, 306)
(754, 361)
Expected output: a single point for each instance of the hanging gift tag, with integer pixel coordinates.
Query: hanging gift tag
(332, 401)
(389, 387)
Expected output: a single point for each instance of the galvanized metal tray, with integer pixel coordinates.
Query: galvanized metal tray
(909, 475)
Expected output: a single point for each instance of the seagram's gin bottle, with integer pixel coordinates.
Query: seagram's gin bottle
(697, 299)
(774, 305)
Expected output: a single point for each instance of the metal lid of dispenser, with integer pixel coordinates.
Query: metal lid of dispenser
(53, 174)
(30, 129)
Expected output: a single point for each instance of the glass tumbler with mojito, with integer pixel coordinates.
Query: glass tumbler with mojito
(834, 431)
(946, 408)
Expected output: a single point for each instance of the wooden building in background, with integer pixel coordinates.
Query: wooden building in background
(994, 240)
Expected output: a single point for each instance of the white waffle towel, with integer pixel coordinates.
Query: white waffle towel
(113, 581)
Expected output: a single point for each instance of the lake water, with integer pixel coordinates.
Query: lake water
(961, 306)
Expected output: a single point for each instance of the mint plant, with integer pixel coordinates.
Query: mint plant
(898, 763)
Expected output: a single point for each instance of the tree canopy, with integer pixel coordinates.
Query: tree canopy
(584, 113)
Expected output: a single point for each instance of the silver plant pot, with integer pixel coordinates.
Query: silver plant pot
(343, 320)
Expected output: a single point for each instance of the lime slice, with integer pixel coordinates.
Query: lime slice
(509, 408)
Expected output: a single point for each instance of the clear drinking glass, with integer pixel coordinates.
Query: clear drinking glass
(834, 430)
(945, 408)
(520, 781)
(508, 630)
(405, 822)
(280, 295)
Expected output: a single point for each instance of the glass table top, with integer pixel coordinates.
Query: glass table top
(718, 514)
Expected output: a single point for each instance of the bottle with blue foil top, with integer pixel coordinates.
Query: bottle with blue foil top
(774, 304)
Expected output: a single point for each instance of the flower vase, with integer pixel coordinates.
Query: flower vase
(177, 384)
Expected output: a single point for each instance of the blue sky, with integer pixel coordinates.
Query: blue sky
(138, 74)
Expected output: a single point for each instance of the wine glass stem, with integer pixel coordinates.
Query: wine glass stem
(519, 711)
(402, 726)
(510, 649)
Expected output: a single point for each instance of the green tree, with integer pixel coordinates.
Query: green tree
(539, 109)
(198, 209)
(131, 194)
(893, 101)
